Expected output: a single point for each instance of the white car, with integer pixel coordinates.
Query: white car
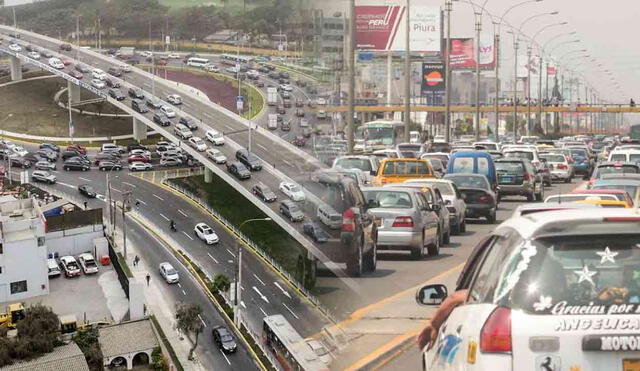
(70, 266)
(173, 56)
(216, 156)
(125, 68)
(169, 273)
(56, 63)
(140, 166)
(139, 151)
(88, 263)
(19, 150)
(98, 84)
(215, 137)
(198, 144)
(34, 55)
(286, 87)
(146, 54)
(551, 292)
(168, 111)
(321, 102)
(206, 234)
(98, 74)
(15, 47)
(174, 99)
(211, 68)
(292, 190)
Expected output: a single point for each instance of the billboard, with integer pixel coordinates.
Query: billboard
(382, 27)
(433, 82)
(463, 53)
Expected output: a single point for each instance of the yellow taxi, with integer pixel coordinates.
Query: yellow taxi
(607, 203)
(397, 170)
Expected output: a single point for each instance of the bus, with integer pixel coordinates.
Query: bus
(197, 62)
(237, 58)
(291, 350)
(381, 134)
(635, 132)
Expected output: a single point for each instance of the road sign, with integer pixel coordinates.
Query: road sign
(239, 103)
(167, 39)
(72, 129)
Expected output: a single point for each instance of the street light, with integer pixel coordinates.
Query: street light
(238, 272)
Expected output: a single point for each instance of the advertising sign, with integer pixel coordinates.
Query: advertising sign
(433, 82)
(382, 27)
(463, 52)
(551, 70)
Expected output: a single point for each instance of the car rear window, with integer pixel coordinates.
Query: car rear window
(618, 157)
(354, 163)
(510, 167)
(519, 154)
(483, 166)
(553, 158)
(388, 199)
(463, 165)
(612, 169)
(406, 168)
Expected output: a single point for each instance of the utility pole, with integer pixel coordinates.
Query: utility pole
(352, 79)
(539, 113)
(447, 72)
(15, 22)
(126, 203)
(77, 34)
(407, 75)
(527, 129)
(478, 29)
(515, 87)
(496, 104)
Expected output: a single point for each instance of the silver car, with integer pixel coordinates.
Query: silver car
(405, 220)
(452, 198)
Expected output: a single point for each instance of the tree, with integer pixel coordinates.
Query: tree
(39, 329)
(221, 283)
(88, 342)
(188, 316)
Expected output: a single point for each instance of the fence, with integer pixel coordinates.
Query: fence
(120, 270)
(248, 242)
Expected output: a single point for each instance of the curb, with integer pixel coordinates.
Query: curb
(405, 341)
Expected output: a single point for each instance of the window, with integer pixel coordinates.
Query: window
(483, 166)
(18, 287)
(1, 249)
(41, 241)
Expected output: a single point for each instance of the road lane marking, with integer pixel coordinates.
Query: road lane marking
(66, 185)
(116, 189)
(263, 147)
(228, 127)
(207, 115)
(263, 312)
(158, 197)
(85, 179)
(179, 285)
(225, 356)
(261, 295)
(202, 320)
(283, 290)
(162, 215)
(232, 254)
(142, 202)
(290, 311)
(130, 185)
(184, 293)
(214, 259)
(243, 304)
(182, 212)
(186, 234)
(258, 278)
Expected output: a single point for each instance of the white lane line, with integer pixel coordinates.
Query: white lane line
(263, 312)
(182, 212)
(261, 295)
(283, 290)
(158, 197)
(202, 320)
(67, 185)
(225, 356)
(85, 179)
(130, 185)
(142, 202)
(179, 285)
(258, 278)
(290, 311)
(207, 115)
(165, 218)
(287, 162)
(186, 234)
(101, 197)
(227, 126)
(243, 304)
(263, 147)
(232, 254)
(214, 259)
(116, 189)
(185, 294)
(186, 104)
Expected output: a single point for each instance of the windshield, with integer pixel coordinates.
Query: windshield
(571, 198)
(634, 158)
(518, 154)
(510, 167)
(388, 199)
(630, 189)
(553, 158)
(615, 170)
(171, 271)
(580, 152)
(469, 181)
(381, 135)
(445, 188)
(294, 208)
(406, 168)
(354, 163)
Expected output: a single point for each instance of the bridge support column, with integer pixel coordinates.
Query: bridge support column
(16, 68)
(208, 175)
(139, 130)
(73, 91)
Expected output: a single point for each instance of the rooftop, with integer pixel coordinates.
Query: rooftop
(129, 337)
(67, 357)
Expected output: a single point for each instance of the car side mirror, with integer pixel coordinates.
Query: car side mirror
(373, 172)
(371, 204)
(435, 207)
(431, 294)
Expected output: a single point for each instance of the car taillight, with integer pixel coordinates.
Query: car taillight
(562, 167)
(383, 181)
(484, 199)
(570, 160)
(403, 222)
(495, 336)
(348, 221)
(591, 181)
(527, 176)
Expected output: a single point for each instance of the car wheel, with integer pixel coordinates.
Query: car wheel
(84, 169)
(371, 257)
(418, 251)
(354, 264)
(463, 228)
(446, 239)
(568, 180)
(491, 218)
(457, 229)
(434, 248)
(66, 168)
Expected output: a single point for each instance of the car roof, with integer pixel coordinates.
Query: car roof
(618, 163)
(598, 191)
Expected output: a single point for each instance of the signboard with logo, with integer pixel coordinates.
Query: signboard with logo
(463, 53)
(382, 27)
(433, 82)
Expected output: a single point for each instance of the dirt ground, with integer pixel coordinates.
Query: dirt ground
(34, 112)
(221, 92)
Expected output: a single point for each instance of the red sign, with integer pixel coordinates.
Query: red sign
(377, 26)
(551, 70)
(462, 54)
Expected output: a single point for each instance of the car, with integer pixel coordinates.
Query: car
(280, 109)
(170, 161)
(559, 166)
(125, 68)
(197, 143)
(133, 146)
(136, 93)
(112, 83)
(19, 150)
(316, 232)
(367, 163)
(49, 146)
(291, 210)
(109, 165)
(206, 234)
(286, 102)
(517, 176)
(292, 190)
(78, 148)
(144, 152)
(114, 71)
(87, 263)
(215, 137)
(99, 74)
(15, 47)
(43, 177)
(285, 126)
(248, 159)
(188, 122)
(173, 56)
(174, 99)
(117, 94)
(44, 165)
(304, 123)
(65, 47)
(299, 141)
(217, 156)
(56, 63)
(570, 266)
(477, 194)
(76, 163)
(299, 112)
(65, 155)
(582, 162)
(238, 170)
(153, 102)
(161, 119)
(98, 84)
(182, 131)
(146, 54)
(47, 154)
(140, 166)
(168, 273)
(264, 192)
(87, 191)
(321, 114)
(70, 266)
(66, 61)
(34, 55)
(223, 339)
(138, 158)
(139, 106)
(452, 199)
(169, 111)
(76, 75)
(615, 167)
(82, 68)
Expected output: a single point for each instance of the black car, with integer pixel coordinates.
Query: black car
(106, 156)
(264, 192)
(116, 94)
(34, 157)
(314, 231)
(161, 118)
(223, 338)
(259, 83)
(291, 210)
(133, 146)
(153, 102)
(286, 103)
(20, 162)
(87, 190)
(82, 68)
(50, 146)
(136, 93)
(280, 109)
(299, 112)
(139, 106)
(299, 103)
(109, 165)
(69, 154)
(114, 71)
(285, 126)
(47, 154)
(249, 160)
(112, 83)
(188, 122)
(76, 163)
(238, 170)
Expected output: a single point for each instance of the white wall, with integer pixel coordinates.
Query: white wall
(23, 260)
(20, 2)
(74, 241)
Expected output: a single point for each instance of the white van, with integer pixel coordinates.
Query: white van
(273, 122)
(182, 131)
(53, 267)
(329, 216)
(624, 155)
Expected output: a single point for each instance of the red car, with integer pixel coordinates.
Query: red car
(76, 74)
(299, 141)
(138, 158)
(78, 148)
(66, 61)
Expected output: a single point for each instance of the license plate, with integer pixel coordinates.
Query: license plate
(506, 179)
(631, 364)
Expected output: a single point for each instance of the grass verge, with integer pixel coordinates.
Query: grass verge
(167, 344)
(125, 267)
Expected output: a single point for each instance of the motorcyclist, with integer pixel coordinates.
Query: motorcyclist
(172, 225)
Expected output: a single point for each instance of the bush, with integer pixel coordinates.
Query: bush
(88, 342)
(157, 360)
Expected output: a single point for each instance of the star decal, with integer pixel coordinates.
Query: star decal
(544, 303)
(607, 255)
(585, 275)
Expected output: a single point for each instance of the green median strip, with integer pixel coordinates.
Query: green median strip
(167, 344)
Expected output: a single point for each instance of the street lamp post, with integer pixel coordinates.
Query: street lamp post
(238, 272)
(447, 73)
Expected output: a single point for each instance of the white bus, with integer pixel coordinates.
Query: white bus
(288, 346)
(197, 62)
(381, 134)
(236, 58)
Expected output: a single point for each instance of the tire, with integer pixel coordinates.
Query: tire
(446, 239)
(355, 262)
(66, 168)
(463, 228)
(568, 180)
(418, 252)
(457, 229)
(434, 249)
(371, 258)
(491, 218)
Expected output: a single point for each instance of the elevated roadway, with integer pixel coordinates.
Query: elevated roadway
(504, 109)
